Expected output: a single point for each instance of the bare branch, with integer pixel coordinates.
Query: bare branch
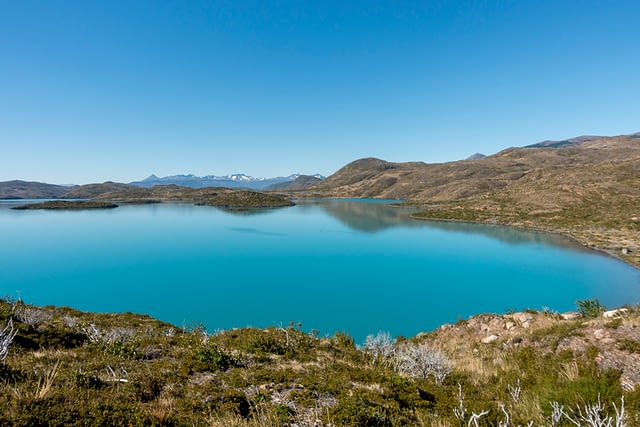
(6, 338)
(515, 391)
(380, 346)
(475, 417)
(460, 412)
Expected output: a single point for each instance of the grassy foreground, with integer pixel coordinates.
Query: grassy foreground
(65, 367)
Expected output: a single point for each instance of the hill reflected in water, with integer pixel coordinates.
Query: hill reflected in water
(379, 215)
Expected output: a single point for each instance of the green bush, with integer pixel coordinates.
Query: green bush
(210, 358)
(590, 307)
(358, 411)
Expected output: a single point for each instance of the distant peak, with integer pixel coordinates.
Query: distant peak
(151, 177)
(476, 156)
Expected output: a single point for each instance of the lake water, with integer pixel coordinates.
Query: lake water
(333, 265)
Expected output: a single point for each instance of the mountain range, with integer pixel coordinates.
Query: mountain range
(239, 180)
(17, 189)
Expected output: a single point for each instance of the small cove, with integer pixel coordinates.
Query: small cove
(333, 265)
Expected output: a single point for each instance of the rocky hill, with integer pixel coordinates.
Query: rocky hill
(589, 190)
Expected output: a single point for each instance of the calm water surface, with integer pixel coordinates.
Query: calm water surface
(352, 266)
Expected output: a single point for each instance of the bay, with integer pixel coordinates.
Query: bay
(354, 266)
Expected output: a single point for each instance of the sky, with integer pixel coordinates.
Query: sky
(117, 90)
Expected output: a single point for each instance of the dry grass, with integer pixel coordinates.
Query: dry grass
(45, 383)
(569, 371)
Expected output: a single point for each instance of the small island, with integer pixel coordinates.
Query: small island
(68, 205)
(243, 200)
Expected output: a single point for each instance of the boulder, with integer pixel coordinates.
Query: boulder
(489, 339)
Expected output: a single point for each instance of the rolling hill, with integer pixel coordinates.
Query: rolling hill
(589, 189)
(31, 190)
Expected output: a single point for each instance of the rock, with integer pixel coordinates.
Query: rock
(509, 325)
(599, 334)
(522, 317)
(489, 339)
(614, 313)
(570, 315)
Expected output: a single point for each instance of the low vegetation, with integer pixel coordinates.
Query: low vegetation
(59, 366)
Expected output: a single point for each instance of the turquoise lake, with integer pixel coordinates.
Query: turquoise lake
(333, 265)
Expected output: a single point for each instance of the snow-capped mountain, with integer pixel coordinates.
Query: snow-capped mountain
(238, 180)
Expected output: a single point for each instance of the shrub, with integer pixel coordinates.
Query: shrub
(590, 307)
(421, 361)
(210, 358)
(359, 411)
(344, 340)
(379, 346)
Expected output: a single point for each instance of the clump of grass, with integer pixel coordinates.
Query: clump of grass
(632, 346)
(590, 308)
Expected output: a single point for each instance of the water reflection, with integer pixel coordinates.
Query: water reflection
(372, 216)
(505, 234)
(364, 215)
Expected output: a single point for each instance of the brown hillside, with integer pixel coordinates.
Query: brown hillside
(92, 190)
(590, 191)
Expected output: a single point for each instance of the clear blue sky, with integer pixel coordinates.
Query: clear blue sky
(117, 90)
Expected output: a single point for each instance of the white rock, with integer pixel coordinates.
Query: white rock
(509, 325)
(522, 317)
(614, 313)
(599, 334)
(570, 315)
(489, 339)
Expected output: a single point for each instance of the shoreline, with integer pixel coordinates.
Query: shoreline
(608, 252)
